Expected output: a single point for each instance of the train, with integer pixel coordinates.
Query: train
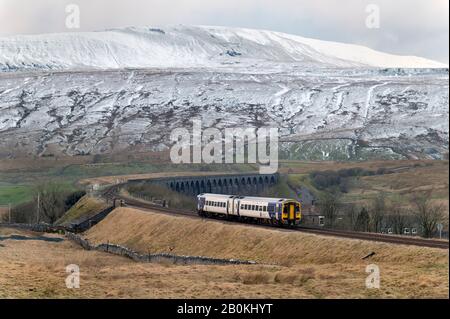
(274, 211)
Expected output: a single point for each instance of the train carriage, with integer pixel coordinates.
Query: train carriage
(279, 211)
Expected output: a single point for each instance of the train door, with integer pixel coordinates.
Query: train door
(230, 206)
(291, 212)
(201, 203)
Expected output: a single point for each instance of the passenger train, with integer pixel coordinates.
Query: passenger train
(275, 211)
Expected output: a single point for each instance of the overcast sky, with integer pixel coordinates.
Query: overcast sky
(408, 27)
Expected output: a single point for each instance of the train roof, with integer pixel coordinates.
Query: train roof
(268, 199)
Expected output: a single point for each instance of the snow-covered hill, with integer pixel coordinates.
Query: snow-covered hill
(127, 89)
(190, 47)
(333, 114)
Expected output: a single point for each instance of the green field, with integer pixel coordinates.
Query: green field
(14, 194)
(17, 186)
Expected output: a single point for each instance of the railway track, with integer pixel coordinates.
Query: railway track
(113, 193)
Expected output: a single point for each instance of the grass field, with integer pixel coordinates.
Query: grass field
(15, 194)
(84, 208)
(407, 178)
(291, 265)
(17, 184)
(311, 265)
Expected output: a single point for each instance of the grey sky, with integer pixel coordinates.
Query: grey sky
(408, 27)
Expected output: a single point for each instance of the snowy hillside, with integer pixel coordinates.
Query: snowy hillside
(245, 50)
(127, 89)
(333, 114)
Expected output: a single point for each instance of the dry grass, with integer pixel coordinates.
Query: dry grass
(324, 266)
(408, 177)
(85, 207)
(36, 269)
(182, 235)
(294, 265)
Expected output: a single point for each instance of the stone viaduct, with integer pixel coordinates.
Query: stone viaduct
(236, 184)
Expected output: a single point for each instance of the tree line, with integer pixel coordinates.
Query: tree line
(380, 214)
(50, 200)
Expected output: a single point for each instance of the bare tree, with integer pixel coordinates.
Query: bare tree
(397, 219)
(427, 214)
(23, 213)
(363, 220)
(352, 216)
(377, 212)
(51, 201)
(329, 206)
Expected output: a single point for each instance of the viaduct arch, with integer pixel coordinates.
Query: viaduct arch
(236, 184)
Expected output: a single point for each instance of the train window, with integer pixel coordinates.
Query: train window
(253, 207)
(242, 206)
(264, 208)
(246, 206)
(260, 208)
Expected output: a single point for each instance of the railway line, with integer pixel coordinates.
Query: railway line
(113, 194)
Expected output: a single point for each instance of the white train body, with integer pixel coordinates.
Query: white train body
(265, 209)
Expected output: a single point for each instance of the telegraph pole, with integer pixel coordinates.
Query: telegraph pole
(38, 204)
